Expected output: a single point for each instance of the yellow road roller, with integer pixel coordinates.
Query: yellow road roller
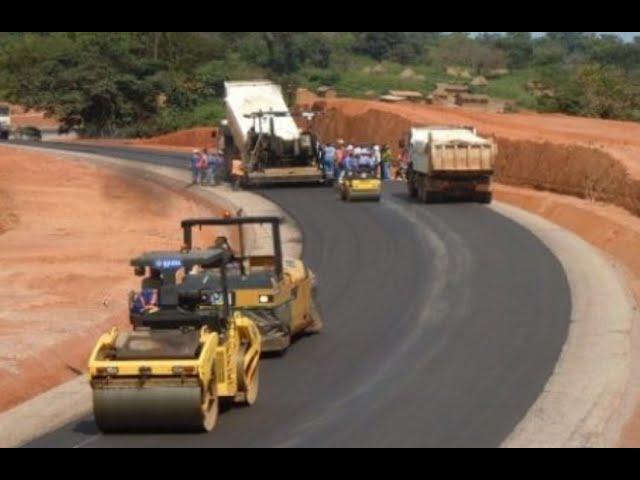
(186, 352)
(278, 294)
(360, 184)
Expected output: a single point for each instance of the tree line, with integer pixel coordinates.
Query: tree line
(140, 83)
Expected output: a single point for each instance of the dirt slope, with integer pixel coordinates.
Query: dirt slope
(588, 158)
(620, 139)
(67, 231)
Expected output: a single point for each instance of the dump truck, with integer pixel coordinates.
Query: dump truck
(261, 141)
(5, 121)
(448, 162)
(187, 350)
(277, 293)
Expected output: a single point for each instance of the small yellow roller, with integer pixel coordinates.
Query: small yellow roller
(362, 184)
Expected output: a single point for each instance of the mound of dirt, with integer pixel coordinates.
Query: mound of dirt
(201, 137)
(619, 139)
(21, 117)
(545, 152)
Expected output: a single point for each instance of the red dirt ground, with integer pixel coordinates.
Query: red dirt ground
(67, 231)
(620, 139)
(180, 141)
(201, 137)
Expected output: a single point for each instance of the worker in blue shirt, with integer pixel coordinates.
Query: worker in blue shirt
(195, 162)
(329, 160)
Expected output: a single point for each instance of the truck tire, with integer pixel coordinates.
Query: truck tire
(423, 195)
(411, 187)
(485, 197)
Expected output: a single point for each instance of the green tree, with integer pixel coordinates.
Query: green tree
(90, 80)
(518, 47)
(459, 49)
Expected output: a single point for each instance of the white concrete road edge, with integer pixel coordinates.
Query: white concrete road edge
(581, 403)
(72, 400)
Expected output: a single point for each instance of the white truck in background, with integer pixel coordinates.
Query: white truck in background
(260, 139)
(5, 121)
(449, 163)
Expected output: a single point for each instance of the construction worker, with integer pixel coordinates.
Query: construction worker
(403, 163)
(339, 159)
(203, 162)
(145, 301)
(329, 161)
(153, 281)
(365, 160)
(218, 168)
(387, 160)
(347, 163)
(237, 172)
(195, 160)
(377, 158)
(353, 160)
(209, 167)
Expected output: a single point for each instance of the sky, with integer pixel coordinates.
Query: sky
(627, 36)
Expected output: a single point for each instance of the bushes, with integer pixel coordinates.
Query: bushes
(108, 83)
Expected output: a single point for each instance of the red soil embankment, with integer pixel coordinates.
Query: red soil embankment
(20, 117)
(180, 141)
(201, 137)
(619, 139)
(538, 151)
(67, 232)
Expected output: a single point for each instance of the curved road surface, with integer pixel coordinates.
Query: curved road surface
(443, 324)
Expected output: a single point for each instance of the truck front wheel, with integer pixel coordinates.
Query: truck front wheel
(411, 187)
(485, 197)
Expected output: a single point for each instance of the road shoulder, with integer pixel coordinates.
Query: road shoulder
(581, 403)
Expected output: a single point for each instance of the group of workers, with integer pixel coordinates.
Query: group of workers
(207, 167)
(339, 159)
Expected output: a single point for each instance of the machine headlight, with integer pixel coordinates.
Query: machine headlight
(107, 371)
(265, 299)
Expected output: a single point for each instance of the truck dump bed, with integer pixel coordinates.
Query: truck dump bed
(266, 139)
(441, 150)
(244, 99)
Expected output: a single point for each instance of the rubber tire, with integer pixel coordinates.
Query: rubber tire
(485, 197)
(251, 393)
(413, 191)
(316, 324)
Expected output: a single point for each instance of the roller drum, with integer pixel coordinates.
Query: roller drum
(127, 407)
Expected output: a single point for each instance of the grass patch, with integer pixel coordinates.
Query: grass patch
(513, 87)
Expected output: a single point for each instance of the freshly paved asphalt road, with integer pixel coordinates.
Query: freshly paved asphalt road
(442, 325)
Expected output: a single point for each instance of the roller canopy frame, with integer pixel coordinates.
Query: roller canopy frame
(177, 260)
(189, 224)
